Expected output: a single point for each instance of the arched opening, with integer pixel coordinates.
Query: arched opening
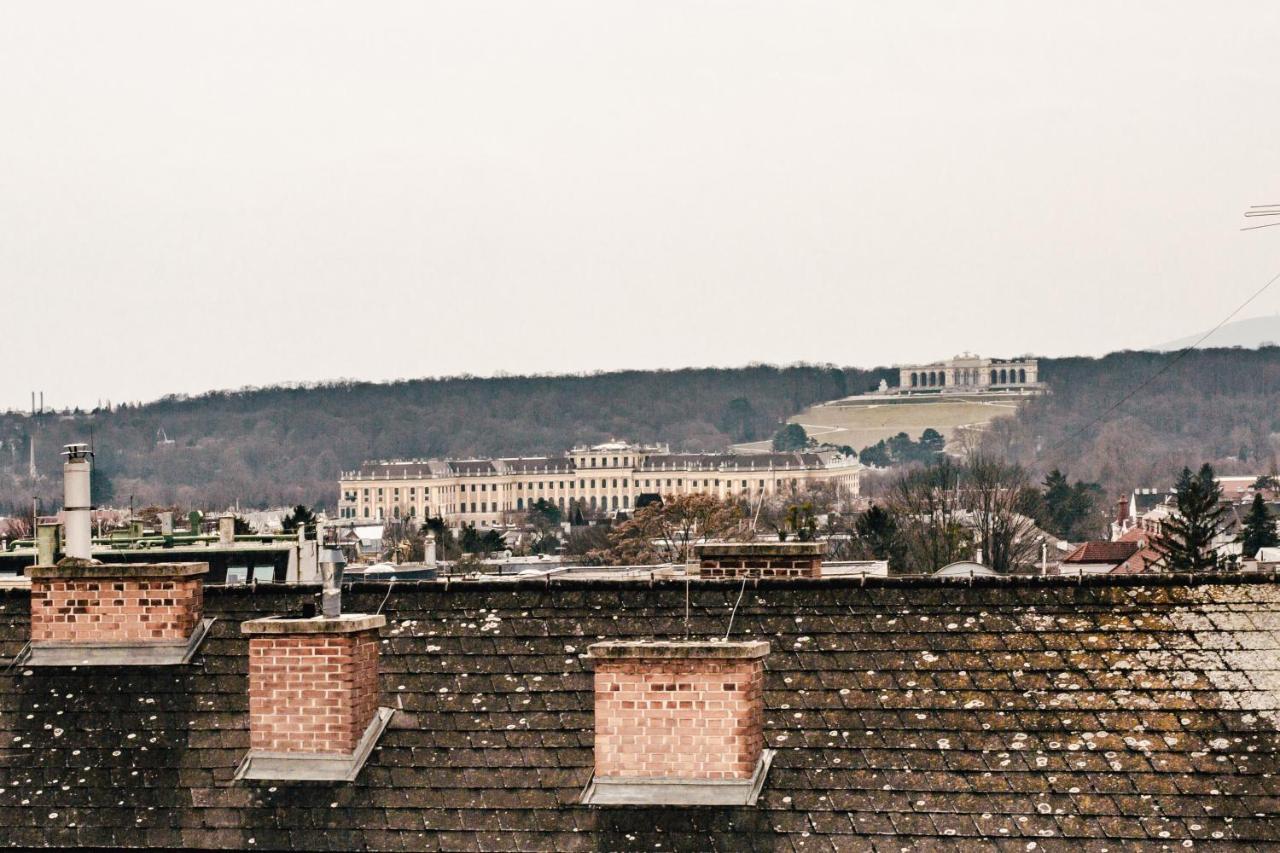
(993, 377)
(1022, 375)
(1004, 377)
(933, 378)
(942, 378)
(913, 380)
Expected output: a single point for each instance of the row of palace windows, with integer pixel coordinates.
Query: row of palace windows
(938, 378)
(604, 461)
(614, 501)
(625, 483)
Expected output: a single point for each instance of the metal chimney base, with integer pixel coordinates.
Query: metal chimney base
(677, 792)
(262, 766)
(117, 654)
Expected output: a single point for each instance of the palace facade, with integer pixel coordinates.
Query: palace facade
(604, 477)
(968, 373)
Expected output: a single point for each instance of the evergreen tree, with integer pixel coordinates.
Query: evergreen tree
(877, 529)
(1259, 528)
(300, 517)
(1068, 511)
(790, 438)
(1185, 543)
(932, 442)
(544, 515)
(876, 455)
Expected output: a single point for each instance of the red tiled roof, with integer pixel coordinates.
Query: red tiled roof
(1102, 552)
(1135, 534)
(1138, 563)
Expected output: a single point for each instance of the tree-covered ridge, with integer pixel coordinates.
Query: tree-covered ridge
(285, 446)
(1216, 405)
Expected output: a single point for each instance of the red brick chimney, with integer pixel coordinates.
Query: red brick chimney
(313, 696)
(760, 559)
(86, 613)
(678, 722)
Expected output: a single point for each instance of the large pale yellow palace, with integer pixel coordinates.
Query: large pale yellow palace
(605, 477)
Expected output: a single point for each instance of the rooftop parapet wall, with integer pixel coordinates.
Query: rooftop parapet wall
(760, 559)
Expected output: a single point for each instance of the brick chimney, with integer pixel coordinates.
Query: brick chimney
(679, 722)
(86, 613)
(760, 559)
(313, 696)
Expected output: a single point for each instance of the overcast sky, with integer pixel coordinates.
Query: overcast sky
(198, 196)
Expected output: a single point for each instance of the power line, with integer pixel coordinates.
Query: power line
(1261, 210)
(1176, 358)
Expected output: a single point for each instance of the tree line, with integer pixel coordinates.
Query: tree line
(285, 446)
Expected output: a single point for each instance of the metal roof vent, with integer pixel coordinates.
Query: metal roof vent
(76, 502)
(332, 567)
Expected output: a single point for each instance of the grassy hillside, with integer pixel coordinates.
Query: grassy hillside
(861, 425)
(286, 445)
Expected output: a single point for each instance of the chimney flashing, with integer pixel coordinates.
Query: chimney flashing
(658, 791)
(54, 654)
(263, 766)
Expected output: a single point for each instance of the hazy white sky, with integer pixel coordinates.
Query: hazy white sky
(198, 196)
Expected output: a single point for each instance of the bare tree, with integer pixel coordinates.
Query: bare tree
(999, 498)
(930, 513)
(672, 528)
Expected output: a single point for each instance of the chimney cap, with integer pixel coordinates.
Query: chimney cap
(81, 569)
(347, 623)
(677, 649)
(77, 450)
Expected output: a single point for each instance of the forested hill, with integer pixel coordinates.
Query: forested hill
(287, 445)
(1218, 405)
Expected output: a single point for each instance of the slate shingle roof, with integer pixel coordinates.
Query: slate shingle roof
(1137, 712)
(729, 462)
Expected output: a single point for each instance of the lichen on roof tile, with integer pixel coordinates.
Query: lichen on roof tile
(1142, 711)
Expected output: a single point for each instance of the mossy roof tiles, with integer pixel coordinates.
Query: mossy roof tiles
(1076, 715)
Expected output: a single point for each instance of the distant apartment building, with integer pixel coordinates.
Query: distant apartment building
(968, 373)
(604, 477)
